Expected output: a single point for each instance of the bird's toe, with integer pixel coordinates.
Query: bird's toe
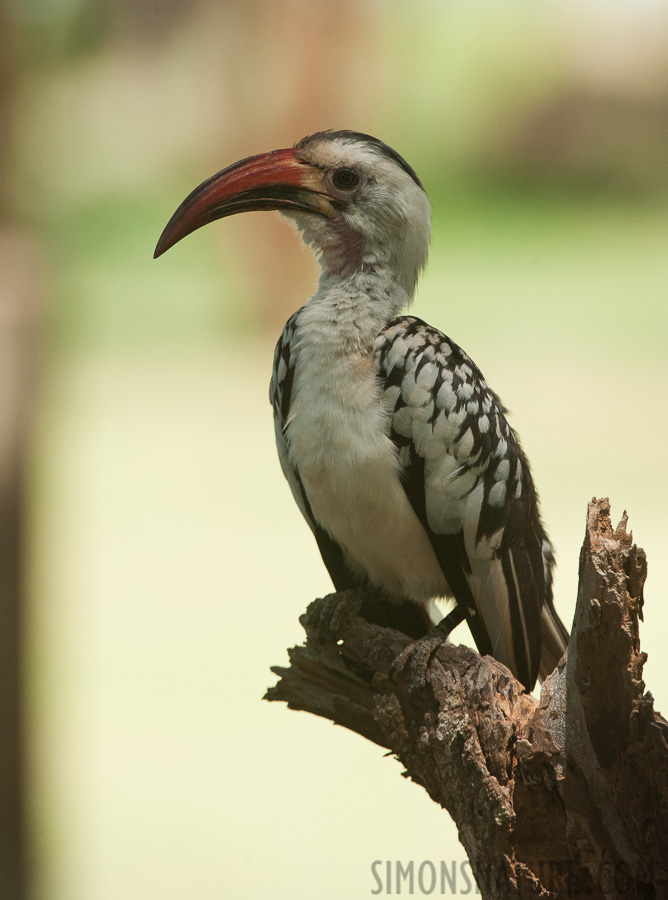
(326, 615)
(416, 656)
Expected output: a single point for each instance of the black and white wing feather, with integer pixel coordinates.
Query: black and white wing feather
(469, 483)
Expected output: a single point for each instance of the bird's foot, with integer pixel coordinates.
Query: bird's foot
(419, 653)
(326, 615)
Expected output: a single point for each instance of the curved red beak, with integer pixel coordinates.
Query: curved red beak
(275, 180)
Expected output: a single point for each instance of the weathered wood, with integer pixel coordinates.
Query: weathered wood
(562, 797)
(617, 798)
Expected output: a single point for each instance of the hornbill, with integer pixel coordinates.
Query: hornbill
(398, 455)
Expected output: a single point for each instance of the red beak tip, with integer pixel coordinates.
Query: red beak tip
(161, 247)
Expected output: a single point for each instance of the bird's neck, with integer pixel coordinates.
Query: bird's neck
(350, 259)
(348, 311)
(346, 255)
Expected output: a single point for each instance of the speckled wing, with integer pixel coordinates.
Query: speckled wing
(280, 395)
(470, 485)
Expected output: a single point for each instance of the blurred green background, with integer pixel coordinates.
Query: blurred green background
(168, 562)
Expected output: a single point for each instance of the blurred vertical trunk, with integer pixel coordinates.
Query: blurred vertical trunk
(15, 352)
(18, 306)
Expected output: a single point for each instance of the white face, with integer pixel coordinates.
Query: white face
(384, 214)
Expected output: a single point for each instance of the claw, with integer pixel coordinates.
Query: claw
(331, 612)
(420, 652)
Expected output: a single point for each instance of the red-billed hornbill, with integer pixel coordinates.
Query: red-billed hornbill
(398, 455)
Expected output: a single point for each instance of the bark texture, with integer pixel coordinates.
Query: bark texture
(562, 797)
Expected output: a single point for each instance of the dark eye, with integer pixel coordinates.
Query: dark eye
(345, 179)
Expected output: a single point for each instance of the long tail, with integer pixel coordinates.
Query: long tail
(554, 640)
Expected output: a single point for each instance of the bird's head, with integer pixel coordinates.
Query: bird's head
(355, 200)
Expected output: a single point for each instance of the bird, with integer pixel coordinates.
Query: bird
(398, 454)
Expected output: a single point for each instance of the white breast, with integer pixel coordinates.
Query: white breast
(337, 435)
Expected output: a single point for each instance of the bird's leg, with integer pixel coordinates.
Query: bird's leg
(421, 650)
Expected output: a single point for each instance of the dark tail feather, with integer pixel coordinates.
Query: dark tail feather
(554, 640)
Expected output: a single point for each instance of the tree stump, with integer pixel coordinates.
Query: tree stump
(562, 797)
